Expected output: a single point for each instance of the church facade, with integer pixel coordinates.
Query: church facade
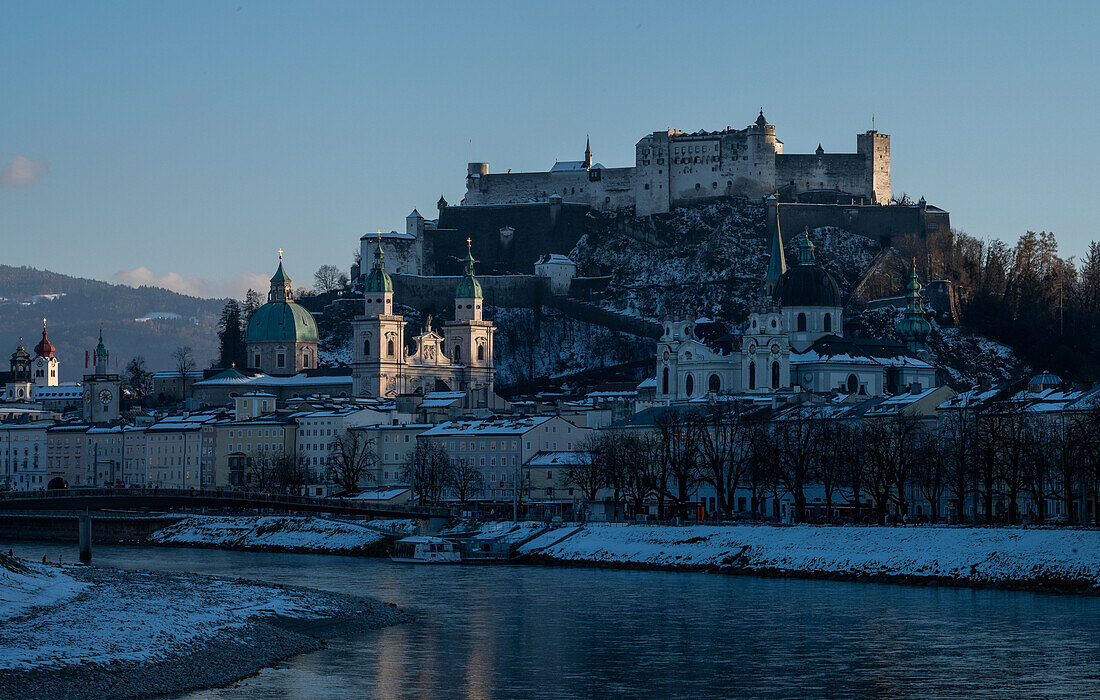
(792, 341)
(460, 357)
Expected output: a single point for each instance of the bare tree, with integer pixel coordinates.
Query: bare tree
(262, 472)
(642, 453)
(930, 471)
(796, 436)
(588, 473)
(351, 459)
(464, 480)
(291, 472)
(329, 278)
(427, 470)
(185, 363)
(139, 379)
(679, 441)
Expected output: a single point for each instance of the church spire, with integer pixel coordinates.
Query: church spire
(469, 287)
(777, 261)
(378, 281)
(913, 329)
(280, 284)
(587, 152)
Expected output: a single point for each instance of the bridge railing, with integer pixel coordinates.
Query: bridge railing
(252, 497)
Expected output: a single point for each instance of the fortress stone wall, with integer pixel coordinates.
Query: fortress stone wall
(672, 168)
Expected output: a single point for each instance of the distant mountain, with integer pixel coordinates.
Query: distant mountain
(147, 321)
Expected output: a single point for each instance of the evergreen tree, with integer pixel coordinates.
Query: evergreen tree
(231, 336)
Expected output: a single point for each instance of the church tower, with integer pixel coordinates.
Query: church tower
(379, 336)
(587, 153)
(46, 368)
(914, 328)
(469, 338)
(20, 387)
(101, 388)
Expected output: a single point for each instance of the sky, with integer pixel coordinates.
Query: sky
(182, 144)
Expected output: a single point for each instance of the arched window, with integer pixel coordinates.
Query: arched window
(689, 385)
(714, 384)
(480, 352)
(305, 359)
(775, 375)
(366, 348)
(853, 383)
(389, 348)
(458, 353)
(801, 322)
(828, 323)
(664, 381)
(256, 360)
(752, 375)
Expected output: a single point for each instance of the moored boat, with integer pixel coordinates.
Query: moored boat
(422, 549)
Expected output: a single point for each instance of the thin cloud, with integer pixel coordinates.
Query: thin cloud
(21, 171)
(192, 286)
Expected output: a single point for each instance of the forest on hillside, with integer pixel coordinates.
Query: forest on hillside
(74, 319)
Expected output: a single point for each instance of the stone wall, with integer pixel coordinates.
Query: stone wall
(847, 172)
(600, 188)
(436, 295)
(873, 221)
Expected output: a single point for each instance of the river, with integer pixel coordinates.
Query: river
(542, 632)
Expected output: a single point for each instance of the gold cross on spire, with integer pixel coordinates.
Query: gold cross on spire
(468, 242)
(280, 254)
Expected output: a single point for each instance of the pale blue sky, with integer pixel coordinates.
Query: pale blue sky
(194, 139)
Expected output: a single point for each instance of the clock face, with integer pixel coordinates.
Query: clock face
(775, 348)
(105, 396)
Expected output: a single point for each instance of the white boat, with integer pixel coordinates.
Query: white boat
(425, 550)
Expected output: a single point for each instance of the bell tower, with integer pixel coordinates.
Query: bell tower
(101, 388)
(377, 369)
(468, 339)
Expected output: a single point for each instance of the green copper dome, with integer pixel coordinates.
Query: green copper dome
(281, 321)
(20, 356)
(469, 287)
(378, 281)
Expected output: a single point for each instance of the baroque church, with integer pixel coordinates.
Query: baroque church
(794, 340)
(281, 339)
(459, 358)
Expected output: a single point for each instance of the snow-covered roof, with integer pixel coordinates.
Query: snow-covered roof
(488, 426)
(264, 380)
(569, 165)
(398, 235)
(552, 459)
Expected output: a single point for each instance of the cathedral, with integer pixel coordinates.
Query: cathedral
(794, 340)
(281, 339)
(461, 358)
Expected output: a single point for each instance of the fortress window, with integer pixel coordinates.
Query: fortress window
(729, 184)
(647, 185)
(801, 322)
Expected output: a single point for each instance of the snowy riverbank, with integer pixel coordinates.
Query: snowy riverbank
(282, 534)
(87, 632)
(1067, 560)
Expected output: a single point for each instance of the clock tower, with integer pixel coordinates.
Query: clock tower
(101, 389)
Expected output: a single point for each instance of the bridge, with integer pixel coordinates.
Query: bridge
(79, 499)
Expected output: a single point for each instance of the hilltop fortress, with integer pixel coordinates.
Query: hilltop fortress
(673, 168)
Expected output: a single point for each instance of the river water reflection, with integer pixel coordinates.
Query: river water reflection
(536, 632)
